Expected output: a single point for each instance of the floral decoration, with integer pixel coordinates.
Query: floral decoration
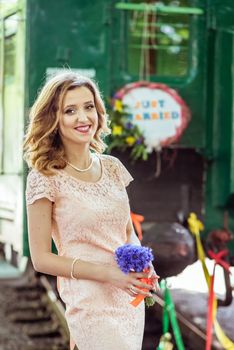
(125, 135)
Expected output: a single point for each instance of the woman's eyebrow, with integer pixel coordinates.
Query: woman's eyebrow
(87, 102)
(69, 106)
(74, 105)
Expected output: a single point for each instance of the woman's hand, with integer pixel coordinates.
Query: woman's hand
(153, 275)
(130, 283)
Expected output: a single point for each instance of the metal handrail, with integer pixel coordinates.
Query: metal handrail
(160, 8)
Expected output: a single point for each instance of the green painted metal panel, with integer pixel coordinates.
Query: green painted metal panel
(220, 122)
(66, 33)
(232, 112)
(221, 15)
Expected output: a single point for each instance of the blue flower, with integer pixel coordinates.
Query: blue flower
(140, 141)
(131, 257)
(129, 125)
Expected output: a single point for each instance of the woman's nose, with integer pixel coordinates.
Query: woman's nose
(81, 115)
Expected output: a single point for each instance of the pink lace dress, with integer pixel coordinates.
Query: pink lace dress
(89, 222)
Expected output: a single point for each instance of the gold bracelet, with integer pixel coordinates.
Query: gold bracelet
(72, 268)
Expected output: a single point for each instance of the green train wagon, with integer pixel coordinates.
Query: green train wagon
(103, 39)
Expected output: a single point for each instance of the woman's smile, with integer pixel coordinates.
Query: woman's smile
(84, 129)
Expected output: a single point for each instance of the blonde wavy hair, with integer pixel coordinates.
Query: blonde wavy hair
(43, 148)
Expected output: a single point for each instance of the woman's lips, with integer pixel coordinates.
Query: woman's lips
(83, 129)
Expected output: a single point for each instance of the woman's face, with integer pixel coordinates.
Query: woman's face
(78, 120)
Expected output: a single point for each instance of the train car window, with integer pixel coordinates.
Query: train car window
(158, 43)
(10, 121)
(9, 49)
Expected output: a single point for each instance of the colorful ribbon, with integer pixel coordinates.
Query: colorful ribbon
(195, 226)
(210, 313)
(140, 297)
(169, 315)
(218, 258)
(212, 302)
(137, 220)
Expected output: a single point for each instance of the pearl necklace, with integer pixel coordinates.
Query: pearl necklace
(81, 170)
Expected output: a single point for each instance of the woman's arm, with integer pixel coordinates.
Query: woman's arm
(39, 226)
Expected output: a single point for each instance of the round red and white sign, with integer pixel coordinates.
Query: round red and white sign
(158, 111)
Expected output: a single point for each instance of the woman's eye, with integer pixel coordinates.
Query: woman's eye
(89, 107)
(70, 111)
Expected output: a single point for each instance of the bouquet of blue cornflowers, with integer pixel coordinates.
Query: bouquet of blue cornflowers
(136, 258)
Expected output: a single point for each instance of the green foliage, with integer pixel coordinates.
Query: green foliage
(149, 301)
(125, 135)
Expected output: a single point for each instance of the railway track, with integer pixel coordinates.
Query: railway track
(31, 317)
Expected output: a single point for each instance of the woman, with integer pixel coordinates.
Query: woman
(77, 196)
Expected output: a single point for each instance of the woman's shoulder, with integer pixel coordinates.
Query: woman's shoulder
(39, 185)
(116, 168)
(108, 159)
(111, 163)
(36, 178)
(36, 175)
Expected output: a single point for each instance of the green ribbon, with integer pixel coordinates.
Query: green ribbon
(169, 316)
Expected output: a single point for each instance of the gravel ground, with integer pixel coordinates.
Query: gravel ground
(25, 321)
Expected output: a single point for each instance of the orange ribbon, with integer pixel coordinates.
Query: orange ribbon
(140, 297)
(218, 258)
(210, 314)
(137, 219)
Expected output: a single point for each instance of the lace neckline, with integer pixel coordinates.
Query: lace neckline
(84, 181)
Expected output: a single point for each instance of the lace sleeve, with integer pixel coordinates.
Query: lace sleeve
(125, 176)
(39, 186)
